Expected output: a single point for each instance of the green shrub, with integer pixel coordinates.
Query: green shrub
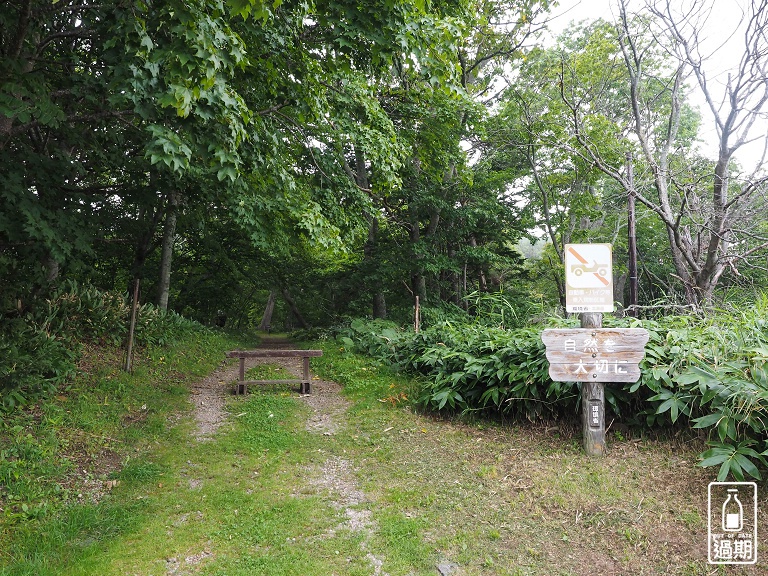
(81, 313)
(32, 362)
(376, 338)
(156, 327)
(473, 368)
(39, 352)
(705, 373)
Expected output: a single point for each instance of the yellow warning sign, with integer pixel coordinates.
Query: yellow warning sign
(588, 278)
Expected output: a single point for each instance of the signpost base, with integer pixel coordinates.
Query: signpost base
(593, 418)
(593, 401)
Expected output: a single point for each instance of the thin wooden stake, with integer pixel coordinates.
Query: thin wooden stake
(632, 241)
(132, 329)
(417, 317)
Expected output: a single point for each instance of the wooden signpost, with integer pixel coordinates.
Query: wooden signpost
(595, 354)
(592, 355)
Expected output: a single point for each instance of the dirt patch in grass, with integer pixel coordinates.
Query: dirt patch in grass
(89, 478)
(328, 407)
(208, 397)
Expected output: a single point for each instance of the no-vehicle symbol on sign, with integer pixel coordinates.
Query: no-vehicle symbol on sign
(588, 278)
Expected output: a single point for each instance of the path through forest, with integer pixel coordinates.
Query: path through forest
(336, 477)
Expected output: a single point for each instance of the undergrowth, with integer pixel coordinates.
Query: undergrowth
(70, 411)
(708, 373)
(40, 348)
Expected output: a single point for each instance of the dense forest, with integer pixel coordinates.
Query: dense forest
(291, 164)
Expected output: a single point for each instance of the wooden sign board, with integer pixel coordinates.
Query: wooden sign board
(595, 354)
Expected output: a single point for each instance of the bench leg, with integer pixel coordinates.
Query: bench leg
(241, 386)
(306, 385)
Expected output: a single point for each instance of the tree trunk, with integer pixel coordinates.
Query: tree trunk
(369, 253)
(379, 305)
(266, 319)
(619, 285)
(292, 305)
(557, 276)
(482, 279)
(418, 282)
(52, 267)
(454, 279)
(369, 250)
(169, 236)
(631, 245)
(143, 244)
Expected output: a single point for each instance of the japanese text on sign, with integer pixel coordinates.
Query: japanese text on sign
(596, 355)
(732, 519)
(588, 278)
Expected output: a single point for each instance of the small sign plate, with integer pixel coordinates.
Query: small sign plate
(588, 278)
(732, 520)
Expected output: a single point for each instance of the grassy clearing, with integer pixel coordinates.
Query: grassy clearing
(389, 491)
(523, 499)
(63, 458)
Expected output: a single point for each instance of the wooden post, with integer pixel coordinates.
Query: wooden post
(132, 328)
(417, 317)
(632, 241)
(306, 385)
(593, 401)
(242, 388)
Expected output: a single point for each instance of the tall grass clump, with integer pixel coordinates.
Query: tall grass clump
(39, 350)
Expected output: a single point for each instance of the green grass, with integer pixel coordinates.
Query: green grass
(268, 372)
(101, 430)
(390, 491)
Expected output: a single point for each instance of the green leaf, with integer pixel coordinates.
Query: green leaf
(667, 405)
(735, 469)
(722, 474)
(663, 395)
(714, 460)
(696, 374)
(747, 465)
(708, 420)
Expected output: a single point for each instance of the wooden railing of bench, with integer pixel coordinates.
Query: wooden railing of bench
(305, 382)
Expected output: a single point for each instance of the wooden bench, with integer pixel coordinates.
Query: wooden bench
(305, 382)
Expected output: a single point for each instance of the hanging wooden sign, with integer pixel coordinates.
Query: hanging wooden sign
(595, 354)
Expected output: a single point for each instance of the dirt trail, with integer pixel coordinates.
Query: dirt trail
(208, 395)
(336, 477)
